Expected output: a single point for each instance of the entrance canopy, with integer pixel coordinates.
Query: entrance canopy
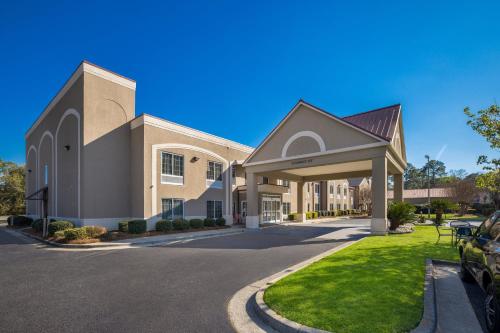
(310, 144)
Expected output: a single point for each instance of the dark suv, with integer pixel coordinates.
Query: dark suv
(480, 261)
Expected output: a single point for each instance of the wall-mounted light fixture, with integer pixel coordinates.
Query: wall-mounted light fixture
(67, 147)
(194, 159)
(29, 170)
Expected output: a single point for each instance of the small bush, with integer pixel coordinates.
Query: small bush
(209, 222)
(196, 223)
(75, 233)
(95, 231)
(400, 213)
(221, 221)
(59, 234)
(19, 220)
(58, 226)
(293, 217)
(123, 226)
(315, 215)
(181, 224)
(37, 225)
(137, 226)
(164, 226)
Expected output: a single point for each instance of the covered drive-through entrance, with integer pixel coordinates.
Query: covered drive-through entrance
(310, 144)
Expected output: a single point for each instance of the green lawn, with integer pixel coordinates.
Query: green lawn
(375, 285)
(467, 217)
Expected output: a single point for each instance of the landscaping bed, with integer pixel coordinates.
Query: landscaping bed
(65, 232)
(375, 285)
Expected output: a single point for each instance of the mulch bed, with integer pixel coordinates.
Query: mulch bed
(118, 235)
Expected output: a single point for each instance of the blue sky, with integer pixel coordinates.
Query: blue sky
(235, 68)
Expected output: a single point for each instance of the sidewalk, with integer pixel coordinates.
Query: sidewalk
(454, 310)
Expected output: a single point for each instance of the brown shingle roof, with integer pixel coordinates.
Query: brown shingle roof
(380, 122)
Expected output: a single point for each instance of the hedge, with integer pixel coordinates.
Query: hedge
(209, 222)
(123, 226)
(221, 221)
(58, 226)
(181, 224)
(164, 226)
(95, 231)
(75, 233)
(293, 216)
(196, 223)
(19, 220)
(37, 225)
(137, 226)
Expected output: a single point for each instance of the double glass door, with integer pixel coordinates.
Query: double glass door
(271, 210)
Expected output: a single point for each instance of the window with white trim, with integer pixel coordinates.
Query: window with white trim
(316, 189)
(338, 206)
(331, 189)
(345, 206)
(172, 168)
(214, 174)
(286, 183)
(265, 180)
(345, 191)
(233, 171)
(316, 206)
(338, 189)
(214, 209)
(286, 208)
(172, 208)
(331, 206)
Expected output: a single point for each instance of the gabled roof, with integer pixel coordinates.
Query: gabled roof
(381, 122)
(355, 181)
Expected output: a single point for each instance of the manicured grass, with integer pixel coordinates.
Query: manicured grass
(467, 217)
(375, 285)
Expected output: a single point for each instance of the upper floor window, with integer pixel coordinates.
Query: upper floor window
(345, 191)
(338, 189)
(331, 189)
(265, 180)
(316, 188)
(233, 171)
(214, 174)
(172, 168)
(286, 183)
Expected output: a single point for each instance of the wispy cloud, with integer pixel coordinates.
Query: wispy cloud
(441, 151)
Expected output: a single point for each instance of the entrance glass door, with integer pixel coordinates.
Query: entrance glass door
(271, 210)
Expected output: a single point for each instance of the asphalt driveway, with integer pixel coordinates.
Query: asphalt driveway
(184, 287)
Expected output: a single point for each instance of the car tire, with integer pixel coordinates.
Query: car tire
(464, 273)
(492, 310)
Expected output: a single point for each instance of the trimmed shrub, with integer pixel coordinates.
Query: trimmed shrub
(293, 216)
(315, 215)
(181, 224)
(209, 222)
(164, 226)
(59, 234)
(221, 221)
(94, 231)
(75, 233)
(58, 226)
(37, 225)
(308, 215)
(400, 213)
(196, 223)
(19, 220)
(123, 226)
(137, 226)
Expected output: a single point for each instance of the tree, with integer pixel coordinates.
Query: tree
(11, 188)
(463, 193)
(413, 177)
(487, 123)
(365, 198)
(440, 206)
(436, 170)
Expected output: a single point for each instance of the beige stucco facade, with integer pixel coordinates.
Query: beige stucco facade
(102, 164)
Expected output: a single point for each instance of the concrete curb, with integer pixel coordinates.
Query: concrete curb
(263, 319)
(131, 243)
(428, 324)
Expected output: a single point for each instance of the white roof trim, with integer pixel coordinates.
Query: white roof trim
(83, 67)
(295, 108)
(188, 131)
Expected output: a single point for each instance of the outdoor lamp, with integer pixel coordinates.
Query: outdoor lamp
(67, 147)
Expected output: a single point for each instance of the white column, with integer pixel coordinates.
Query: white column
(379, 196)
(301, 215)
(252, 219)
